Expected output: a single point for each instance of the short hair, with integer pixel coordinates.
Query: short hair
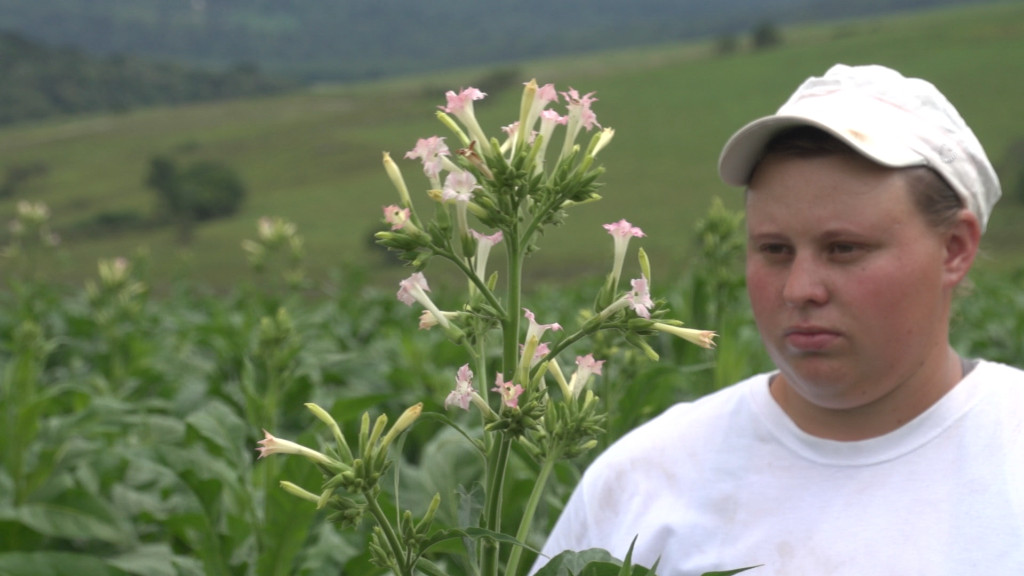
(934, 198)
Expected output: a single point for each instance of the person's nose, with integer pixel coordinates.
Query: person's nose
(805, 282)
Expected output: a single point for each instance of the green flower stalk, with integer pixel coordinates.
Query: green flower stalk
(503, 198)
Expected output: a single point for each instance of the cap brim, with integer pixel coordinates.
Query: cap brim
(745, 148)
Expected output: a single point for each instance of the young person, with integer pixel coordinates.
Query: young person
(874, 448)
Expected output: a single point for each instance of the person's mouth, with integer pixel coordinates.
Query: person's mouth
(810, 338)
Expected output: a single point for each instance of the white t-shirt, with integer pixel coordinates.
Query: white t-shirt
(729, 481)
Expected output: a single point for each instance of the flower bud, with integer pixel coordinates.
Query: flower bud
(296, 490)
(702, 338)
(404, 421)
(396, 178)
(454, 127)
(645, 264)
(331, 423)
(428, 518)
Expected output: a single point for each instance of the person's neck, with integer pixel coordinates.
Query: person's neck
(902, 404)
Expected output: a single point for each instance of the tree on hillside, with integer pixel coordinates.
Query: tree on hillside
(766, 35)
(203, 190)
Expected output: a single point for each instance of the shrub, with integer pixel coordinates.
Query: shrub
(210, 190)
(766, 35)
(204, 190)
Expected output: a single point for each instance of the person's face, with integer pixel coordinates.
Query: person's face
(849, 285)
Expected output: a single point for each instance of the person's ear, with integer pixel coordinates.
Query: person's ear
(962, 242)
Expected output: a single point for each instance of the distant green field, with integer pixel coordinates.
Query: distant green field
(314, 157)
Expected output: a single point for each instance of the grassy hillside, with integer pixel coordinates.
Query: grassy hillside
(314, 157)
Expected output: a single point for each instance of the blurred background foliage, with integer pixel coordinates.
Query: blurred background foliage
(144, 341)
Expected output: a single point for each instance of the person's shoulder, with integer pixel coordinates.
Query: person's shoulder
(996, 372)
(685, 424)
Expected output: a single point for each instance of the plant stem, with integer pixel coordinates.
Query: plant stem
(531, 507)
(481, 369)
(389, 533)
(480, 283)
(498, 460)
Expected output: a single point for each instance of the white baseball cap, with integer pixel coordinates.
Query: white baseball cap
(891, 119)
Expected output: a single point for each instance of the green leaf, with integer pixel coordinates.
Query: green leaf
(607, 569)
(593, 562)
(627, 563)
(63, 521)
(730, 572)
(473, 533)
(286, 524)
(219, 424)
(572, 563)
(50, 563)
(328, 551)
(155, 560)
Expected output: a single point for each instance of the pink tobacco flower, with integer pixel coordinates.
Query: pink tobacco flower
(272, 445)
(546, 94)
(532, 342)
(458, 103)
(459, 187)
(484, 243)
(623, 229)
(586, 366)
(428, 320)
(535, 99)
(621, 232)
(395, 216)
(640, 298)
(552, 117)
(461, 106)
(430, 151)
(536, 330)
(462, 395)
(512, 136)
(414, 289)
(549, 120)
(489, 240)
(542, 350)
(580, 116)
(581, 105)
(509, 393)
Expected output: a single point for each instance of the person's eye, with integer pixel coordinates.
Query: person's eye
(845, 249)
(774, 249)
